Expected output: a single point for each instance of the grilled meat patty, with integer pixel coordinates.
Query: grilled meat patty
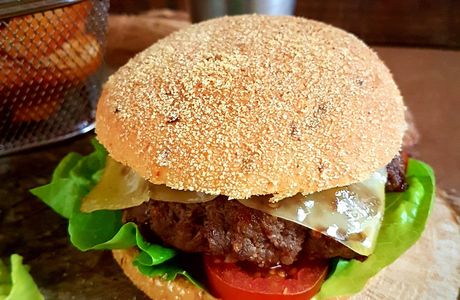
(396, 170)
(228, 228)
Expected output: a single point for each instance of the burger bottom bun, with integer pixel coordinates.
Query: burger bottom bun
(157, 287)
(429, 270)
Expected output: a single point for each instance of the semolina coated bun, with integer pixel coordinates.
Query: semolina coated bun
(251, 105)
(157, 287)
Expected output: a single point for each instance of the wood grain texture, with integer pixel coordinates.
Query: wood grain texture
(430, 269)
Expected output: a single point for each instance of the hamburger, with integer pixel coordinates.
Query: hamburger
(249, 157)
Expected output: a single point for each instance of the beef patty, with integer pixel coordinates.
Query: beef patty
(396, 169)
(228, 228)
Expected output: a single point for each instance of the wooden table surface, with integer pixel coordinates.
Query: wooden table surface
(428, 79)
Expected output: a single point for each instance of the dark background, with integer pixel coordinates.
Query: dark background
(393, 22)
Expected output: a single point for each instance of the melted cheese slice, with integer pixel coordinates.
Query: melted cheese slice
(120, 187)
(350, 215)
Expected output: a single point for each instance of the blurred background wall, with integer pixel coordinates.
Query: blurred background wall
(429, 23)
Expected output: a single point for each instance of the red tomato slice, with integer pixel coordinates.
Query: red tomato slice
(232, 281)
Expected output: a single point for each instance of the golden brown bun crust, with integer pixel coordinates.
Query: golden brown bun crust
(248, 105)
(158, 288)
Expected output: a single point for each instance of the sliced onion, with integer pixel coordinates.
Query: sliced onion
(351, 215)
(120, 187)
(164, 193)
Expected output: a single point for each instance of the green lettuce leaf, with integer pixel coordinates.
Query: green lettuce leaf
(17, 284)
(403, 223)
(72, 180)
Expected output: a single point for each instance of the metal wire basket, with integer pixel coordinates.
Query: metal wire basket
(51, 58)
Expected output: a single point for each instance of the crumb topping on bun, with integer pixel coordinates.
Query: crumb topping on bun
(251, 105)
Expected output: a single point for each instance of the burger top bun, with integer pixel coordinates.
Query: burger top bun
(250, 105)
